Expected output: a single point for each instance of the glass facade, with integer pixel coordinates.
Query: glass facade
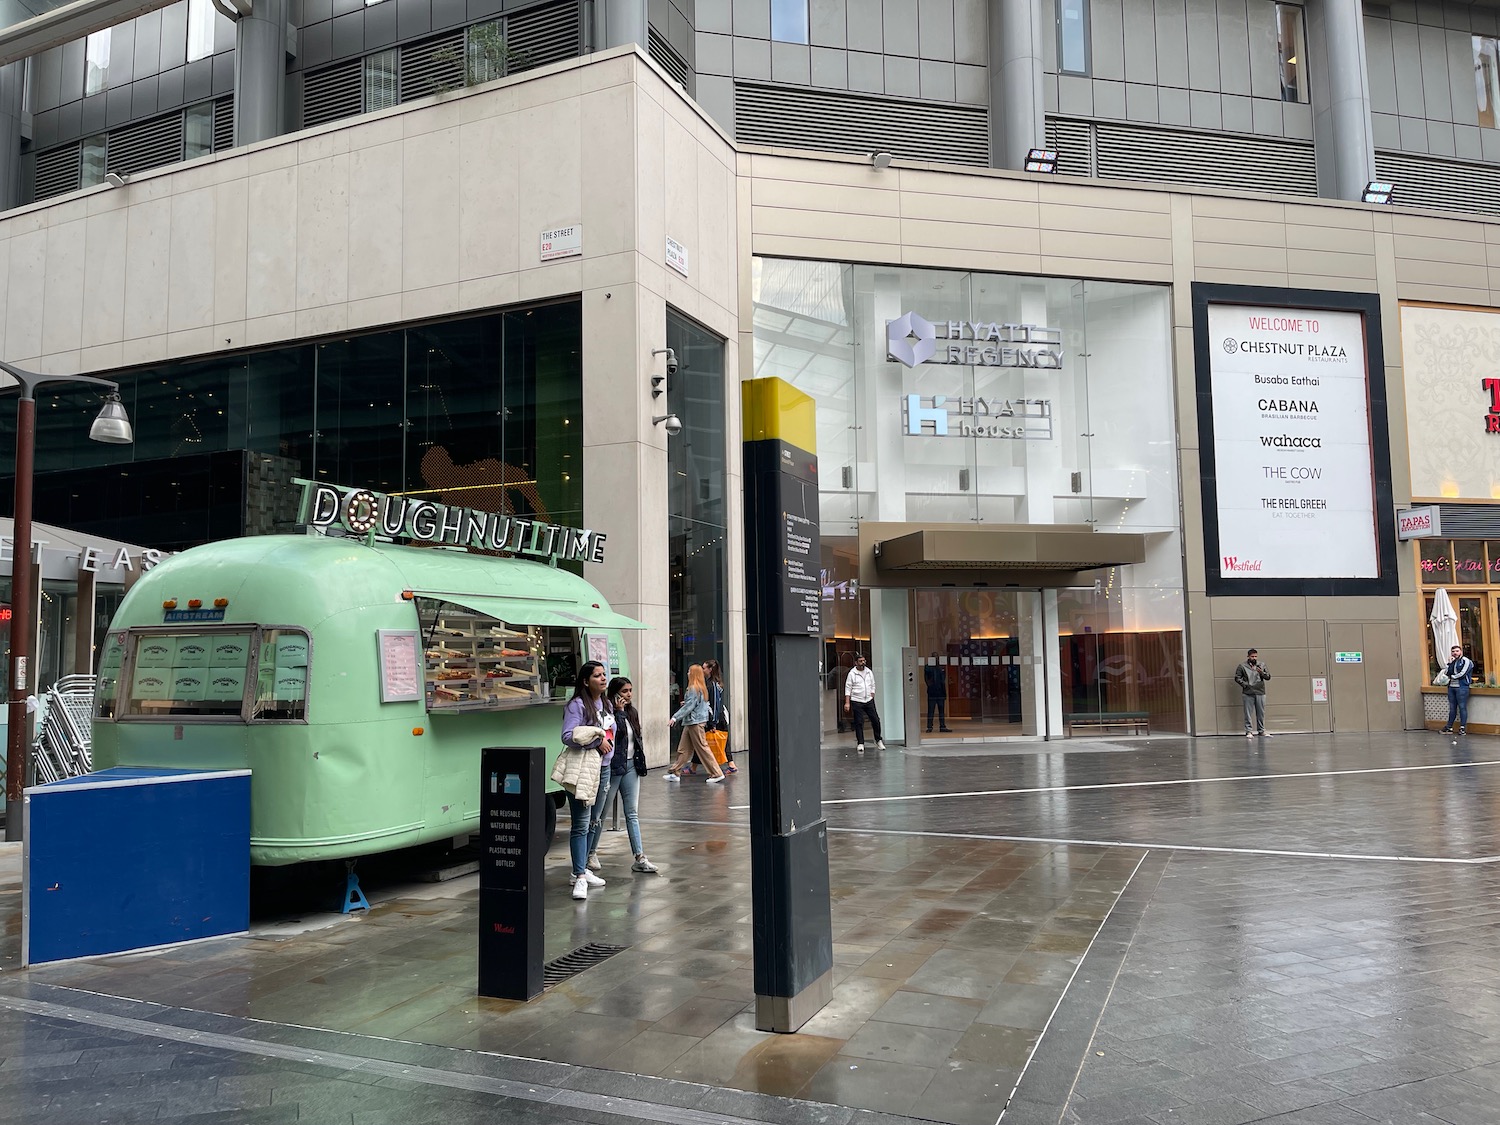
(964, 436)
(482, 413)
(697, 524)
(1469, 570)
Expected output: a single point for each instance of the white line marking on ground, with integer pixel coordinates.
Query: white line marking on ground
(1171, 847)
(1063, 995)
(1142, 784)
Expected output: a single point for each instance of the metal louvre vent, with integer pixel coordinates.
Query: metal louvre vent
(1074, 143)
(57, 171)
(667, 57)
(796, 117)
(1440, 183)
(546, 34)
(149, 144)
(432, 65)
(571, 964)
(224, 123)
(1203, 159)
(330, 94)
(1470, 521)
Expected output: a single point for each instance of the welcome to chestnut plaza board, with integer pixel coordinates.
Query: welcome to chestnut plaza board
(362, 511)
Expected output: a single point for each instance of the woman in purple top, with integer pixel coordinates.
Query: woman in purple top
(588, 708)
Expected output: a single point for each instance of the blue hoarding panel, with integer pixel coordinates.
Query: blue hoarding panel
(132, 858)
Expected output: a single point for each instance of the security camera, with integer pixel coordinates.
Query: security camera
(671, 359)
(669, 422)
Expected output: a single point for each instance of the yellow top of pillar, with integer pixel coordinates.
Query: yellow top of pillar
(774, 409)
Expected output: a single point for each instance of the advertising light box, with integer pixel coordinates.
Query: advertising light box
(1292, 444)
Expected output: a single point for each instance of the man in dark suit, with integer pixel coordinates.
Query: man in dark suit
(937, 694)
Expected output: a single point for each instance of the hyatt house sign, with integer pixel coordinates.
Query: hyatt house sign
(363, 512)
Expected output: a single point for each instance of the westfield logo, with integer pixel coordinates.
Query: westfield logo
(1233, 564)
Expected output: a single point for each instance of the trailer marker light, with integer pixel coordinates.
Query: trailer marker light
(195, 603)
(170, 603)
(220, 603)
(407, 595)
(418, 731)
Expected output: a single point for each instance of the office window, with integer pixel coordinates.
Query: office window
(92, 169)
(200, 41)
(789, 21)
(382, 78)
(1291, 49)
(1073, 36)
(198, 130)
(1487, 79)
(96, 62)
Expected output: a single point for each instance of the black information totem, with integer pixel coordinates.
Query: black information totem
(511, 846)
(793, 928)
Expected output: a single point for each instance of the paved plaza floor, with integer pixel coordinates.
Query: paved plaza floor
(1299, 930)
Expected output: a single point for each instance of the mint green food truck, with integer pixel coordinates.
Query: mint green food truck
(356, 680)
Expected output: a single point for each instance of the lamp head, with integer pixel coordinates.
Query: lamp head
(113, 425)
(881, 160)
(115, 179)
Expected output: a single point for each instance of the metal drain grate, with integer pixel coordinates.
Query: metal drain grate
(571, 964)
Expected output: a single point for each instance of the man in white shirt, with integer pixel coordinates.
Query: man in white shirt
(859, 703)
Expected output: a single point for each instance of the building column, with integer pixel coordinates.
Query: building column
(1341, 98)
(12, 87)
(260, 72)
(1017, 109)
(620, 22)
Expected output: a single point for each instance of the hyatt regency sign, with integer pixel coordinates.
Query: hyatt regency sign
(363, 512)
(913, 341)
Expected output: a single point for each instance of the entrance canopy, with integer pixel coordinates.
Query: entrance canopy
(1020, 554)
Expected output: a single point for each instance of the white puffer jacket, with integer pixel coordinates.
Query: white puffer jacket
(577, 771)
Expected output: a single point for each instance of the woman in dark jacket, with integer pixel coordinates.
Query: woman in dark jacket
(626, 770)
(718, 709)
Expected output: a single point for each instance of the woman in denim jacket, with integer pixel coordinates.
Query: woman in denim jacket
(693, 714)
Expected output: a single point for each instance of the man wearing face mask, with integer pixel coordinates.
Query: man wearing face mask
(1252, 676)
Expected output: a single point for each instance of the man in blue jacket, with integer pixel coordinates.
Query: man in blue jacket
(1460, 672)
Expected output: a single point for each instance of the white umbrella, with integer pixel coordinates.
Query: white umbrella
(1444, 626)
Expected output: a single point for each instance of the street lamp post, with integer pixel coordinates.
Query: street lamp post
(112, 426)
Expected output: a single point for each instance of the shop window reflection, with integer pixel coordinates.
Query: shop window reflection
(1468, 562)
(1436, 561)
(1471, 634)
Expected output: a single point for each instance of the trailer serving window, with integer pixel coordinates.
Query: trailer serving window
(474, 661)
(247, 673)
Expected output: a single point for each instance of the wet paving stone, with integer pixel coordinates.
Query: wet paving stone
(1177, 965)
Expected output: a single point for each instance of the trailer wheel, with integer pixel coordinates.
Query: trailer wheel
(549, 822)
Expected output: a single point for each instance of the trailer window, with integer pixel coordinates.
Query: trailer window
(107, 686)
(197, 674)
(281, 680)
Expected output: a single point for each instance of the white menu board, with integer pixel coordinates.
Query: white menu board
(400, 665)
(1292, 447)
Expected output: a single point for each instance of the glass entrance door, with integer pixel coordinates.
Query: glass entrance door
(976, 671)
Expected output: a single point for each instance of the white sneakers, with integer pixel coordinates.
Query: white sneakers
(861, 747)
(582, 883)
(672, 776)
(643, 865)
(880, 744)
(714, 780)
(593, 861)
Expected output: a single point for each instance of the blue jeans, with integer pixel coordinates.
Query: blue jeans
(578, 835)
(1458, 704)
(628, 785)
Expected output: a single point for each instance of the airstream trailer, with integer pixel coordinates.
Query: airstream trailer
(357, 681)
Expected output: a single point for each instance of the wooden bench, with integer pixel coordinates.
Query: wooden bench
(1138, 722)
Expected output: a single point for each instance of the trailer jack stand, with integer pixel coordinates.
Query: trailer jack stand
(354, 898)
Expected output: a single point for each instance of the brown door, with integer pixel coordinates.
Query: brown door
(1347, 683)
(1358, 691)
(1382, 663)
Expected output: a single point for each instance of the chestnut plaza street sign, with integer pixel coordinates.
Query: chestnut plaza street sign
(361, 511)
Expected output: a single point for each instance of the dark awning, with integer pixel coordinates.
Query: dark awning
(1010, 548)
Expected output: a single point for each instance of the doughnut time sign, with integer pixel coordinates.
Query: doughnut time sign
(1294, 467)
